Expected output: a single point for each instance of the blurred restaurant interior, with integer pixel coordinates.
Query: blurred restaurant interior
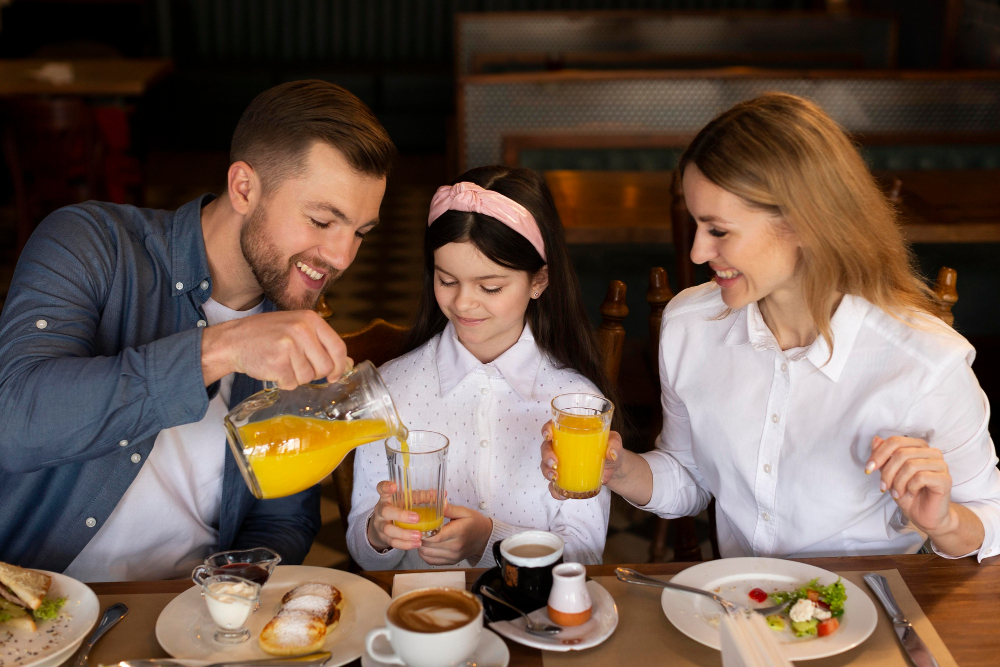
(135, 101)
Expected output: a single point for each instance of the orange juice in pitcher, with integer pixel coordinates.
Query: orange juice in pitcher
(287, 441)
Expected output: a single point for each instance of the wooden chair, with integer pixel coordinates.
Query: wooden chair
(945, 290)
(379, 341)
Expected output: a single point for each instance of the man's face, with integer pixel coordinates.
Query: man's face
(306, 232)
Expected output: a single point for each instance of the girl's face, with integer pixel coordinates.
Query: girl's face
(484, 301)
(752, 253)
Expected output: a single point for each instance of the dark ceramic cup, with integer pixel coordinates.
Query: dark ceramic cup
(526, 561)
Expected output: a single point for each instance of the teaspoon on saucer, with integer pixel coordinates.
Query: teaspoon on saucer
(531, 626)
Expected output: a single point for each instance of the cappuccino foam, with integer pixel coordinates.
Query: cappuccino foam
(433, 611)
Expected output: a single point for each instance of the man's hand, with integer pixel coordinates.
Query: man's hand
(290, 348)
(550, 464)
(382, 532)
(464, 537)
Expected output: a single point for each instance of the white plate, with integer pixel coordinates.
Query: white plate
(733, 578)
(490, 652)
(186, 630)
(55, 640)
(602, 623)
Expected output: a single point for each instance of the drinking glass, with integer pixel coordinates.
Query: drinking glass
(580, 427)
(285, 441)
(418, 466)
(230, 602)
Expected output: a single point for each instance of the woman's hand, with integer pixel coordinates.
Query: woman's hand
(382, 532)
(917, 477)
(465, 536)
(550, 464)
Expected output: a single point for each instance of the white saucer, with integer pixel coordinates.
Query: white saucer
(602, 624)
(491, 652)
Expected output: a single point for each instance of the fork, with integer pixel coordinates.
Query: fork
(630, 576)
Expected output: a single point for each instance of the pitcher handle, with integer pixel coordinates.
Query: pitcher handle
(200, 574)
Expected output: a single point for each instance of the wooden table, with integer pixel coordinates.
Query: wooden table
(960, 597)
(101, 77)
(635, 206)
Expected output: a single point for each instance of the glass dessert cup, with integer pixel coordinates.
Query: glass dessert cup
(287, 441)
(230, 602)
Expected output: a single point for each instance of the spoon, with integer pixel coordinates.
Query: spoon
(114, 613)
(531, 626)
(311, 660)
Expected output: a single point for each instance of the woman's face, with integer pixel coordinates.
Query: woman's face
(485, 302)
(752, 253)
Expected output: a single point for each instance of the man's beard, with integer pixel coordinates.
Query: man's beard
(265, 262)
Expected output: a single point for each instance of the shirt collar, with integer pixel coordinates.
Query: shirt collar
(518, 365)
(189, 262)
(749, 327)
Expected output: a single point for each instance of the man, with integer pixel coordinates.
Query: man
(128, 333)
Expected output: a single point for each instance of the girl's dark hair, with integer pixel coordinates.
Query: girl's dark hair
(557, 318)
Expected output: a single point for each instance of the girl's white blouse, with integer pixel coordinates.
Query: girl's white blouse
(492, 415)
(781, 439)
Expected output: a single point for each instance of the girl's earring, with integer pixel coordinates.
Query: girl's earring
(536, 295)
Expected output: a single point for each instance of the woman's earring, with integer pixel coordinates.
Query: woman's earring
(536, 295)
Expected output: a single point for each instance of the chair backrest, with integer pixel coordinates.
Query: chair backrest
(947, 293)
(379, 341)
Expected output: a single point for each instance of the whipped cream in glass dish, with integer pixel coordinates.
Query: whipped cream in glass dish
(230, 601)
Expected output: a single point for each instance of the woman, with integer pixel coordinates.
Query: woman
(501, 331)
(809, 388)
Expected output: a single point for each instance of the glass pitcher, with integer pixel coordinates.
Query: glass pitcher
(287, 441)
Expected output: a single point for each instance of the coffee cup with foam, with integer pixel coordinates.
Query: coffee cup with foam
(429, 627)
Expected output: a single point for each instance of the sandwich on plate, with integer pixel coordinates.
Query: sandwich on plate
(23, 598)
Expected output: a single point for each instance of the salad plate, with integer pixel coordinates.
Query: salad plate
(734, 578)
(57, 639)
(186, 630)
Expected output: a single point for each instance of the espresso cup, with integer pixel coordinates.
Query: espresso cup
(429, 627)
(526, 561)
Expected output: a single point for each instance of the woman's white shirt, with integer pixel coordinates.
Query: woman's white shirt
(492, 415)
(781, 439)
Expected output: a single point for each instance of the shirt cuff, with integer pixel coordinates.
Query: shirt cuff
(501, 531)
(662, 467)
(175, 381)
(987, 513)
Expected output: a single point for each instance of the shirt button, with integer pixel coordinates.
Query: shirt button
(774, 418)
(767, 468)
(136, 457)
(179, 286)
(484, 443)
(41, 324)
(484, 391)
(482, 506)
(784, 368)
(91, 522)
(204, 284)
(765, 516)
(202, 323)
(123, 443)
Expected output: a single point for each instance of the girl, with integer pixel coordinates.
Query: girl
(500, 332)
(810, 388)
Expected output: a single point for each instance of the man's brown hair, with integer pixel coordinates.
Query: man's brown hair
(282, 123)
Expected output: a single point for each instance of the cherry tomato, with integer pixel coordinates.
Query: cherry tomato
(827, 627)
(758, 595)
(812, 595)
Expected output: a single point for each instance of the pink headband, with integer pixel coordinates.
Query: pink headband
(470, 197)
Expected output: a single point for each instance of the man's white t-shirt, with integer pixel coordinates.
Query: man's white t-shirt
(168, 520)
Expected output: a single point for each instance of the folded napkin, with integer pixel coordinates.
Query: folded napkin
(747, 641)
(404, 583)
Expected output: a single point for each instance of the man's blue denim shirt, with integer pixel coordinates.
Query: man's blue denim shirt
(100, 350)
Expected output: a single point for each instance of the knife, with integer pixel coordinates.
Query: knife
(914, 646)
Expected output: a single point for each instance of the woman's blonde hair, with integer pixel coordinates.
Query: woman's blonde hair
(783, 154)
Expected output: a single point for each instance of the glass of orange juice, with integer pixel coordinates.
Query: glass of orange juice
(287, 441)
(580, 427)
(418, 466)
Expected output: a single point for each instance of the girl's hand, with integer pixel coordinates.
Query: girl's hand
(917, 477)
(464, 537)
(550, 464)
(382, 532)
